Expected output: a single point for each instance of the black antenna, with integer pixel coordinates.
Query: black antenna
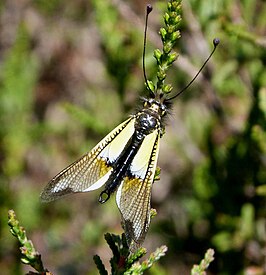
(148, 11)
(216, 42)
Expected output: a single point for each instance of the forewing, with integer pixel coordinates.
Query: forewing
(134, 194)
(93, 169)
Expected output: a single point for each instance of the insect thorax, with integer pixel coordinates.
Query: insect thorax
(149, 118)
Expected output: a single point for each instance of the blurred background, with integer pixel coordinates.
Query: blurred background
(70, 71)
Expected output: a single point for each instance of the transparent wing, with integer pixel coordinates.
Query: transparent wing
(134, 194)
(93, 169)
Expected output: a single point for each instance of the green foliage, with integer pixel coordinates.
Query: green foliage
(233, 171)
(123, 262)
(120, 52)
(100, 265)
(201, 268)
(139, 268)
(84, 118)
(29, 255)
(48, 7)
(212, 189)
(169, 35)
(17, 79)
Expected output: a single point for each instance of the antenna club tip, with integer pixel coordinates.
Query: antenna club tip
(216, 41)
(149, 8)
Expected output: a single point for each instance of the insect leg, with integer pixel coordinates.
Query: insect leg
(104, 196)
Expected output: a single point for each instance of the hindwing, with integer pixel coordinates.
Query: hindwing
(134, 193)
